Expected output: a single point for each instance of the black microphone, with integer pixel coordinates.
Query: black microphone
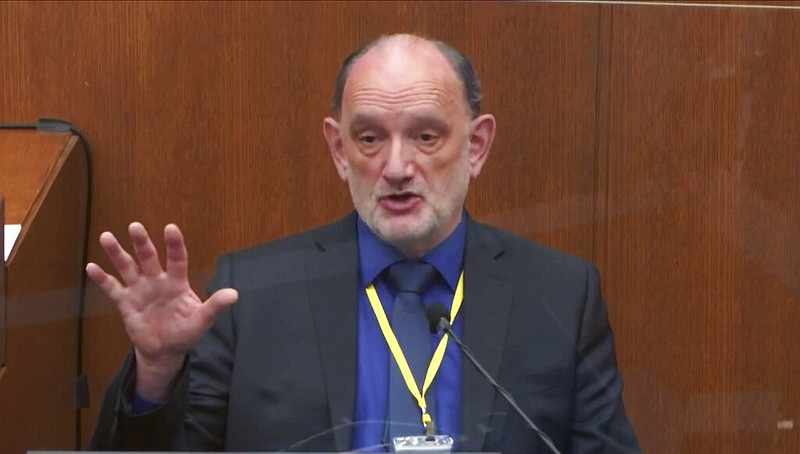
(439, 319)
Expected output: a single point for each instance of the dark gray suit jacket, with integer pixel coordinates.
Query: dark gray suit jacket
(277, 371)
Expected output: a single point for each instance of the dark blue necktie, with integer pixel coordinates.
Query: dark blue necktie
(410, 326)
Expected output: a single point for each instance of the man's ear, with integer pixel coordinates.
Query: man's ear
(330, 129)
(480, 142)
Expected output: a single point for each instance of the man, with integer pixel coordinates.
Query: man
(301, 361)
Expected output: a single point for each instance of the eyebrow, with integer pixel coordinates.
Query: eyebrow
(361, 120)
(429, 120)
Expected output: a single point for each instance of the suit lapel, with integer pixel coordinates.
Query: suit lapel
(488, 286)
(333, 292)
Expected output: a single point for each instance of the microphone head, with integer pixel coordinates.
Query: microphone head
(435, 313)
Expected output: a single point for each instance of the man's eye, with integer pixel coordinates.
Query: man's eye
(427, 137)
(367, 139)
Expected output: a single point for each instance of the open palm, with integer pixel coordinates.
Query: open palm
(162, 315)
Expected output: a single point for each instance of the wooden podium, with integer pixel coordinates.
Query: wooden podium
(44, 186)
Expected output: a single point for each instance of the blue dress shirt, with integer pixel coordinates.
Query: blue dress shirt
(374, 358)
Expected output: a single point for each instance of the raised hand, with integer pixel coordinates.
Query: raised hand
(163, 316)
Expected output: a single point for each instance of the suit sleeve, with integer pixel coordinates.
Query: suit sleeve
(600, 424)
(194, 415)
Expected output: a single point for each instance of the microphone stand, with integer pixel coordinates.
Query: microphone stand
(444, 325)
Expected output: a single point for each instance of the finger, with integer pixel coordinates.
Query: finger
(108, 283)
(146, 253)
(177, 257)
(217, 302)
(122, 261)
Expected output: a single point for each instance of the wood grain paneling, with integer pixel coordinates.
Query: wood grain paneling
(539, 67)
(697, 236)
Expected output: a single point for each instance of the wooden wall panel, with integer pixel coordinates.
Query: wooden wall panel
(539, 74)
(210, 115)
(698, 235)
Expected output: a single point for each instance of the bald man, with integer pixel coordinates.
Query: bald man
(307, 358)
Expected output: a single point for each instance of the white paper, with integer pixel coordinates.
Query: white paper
(10, 234)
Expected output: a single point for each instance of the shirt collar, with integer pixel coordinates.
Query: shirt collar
(447, 257)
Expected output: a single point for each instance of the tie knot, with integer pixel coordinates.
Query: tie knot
(408, 276)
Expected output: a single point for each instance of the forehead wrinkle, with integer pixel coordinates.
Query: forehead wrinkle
(413, 96)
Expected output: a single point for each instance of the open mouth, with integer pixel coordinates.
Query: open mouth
(400, 201)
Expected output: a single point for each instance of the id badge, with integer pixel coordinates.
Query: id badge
(423, 444)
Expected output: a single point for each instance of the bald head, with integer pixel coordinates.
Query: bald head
(389, 49)
(407, 140)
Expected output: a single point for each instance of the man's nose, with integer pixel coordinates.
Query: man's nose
(399, 162)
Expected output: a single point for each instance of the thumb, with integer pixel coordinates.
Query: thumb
(217, 302)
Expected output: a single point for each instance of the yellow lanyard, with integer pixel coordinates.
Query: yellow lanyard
(397, 352)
